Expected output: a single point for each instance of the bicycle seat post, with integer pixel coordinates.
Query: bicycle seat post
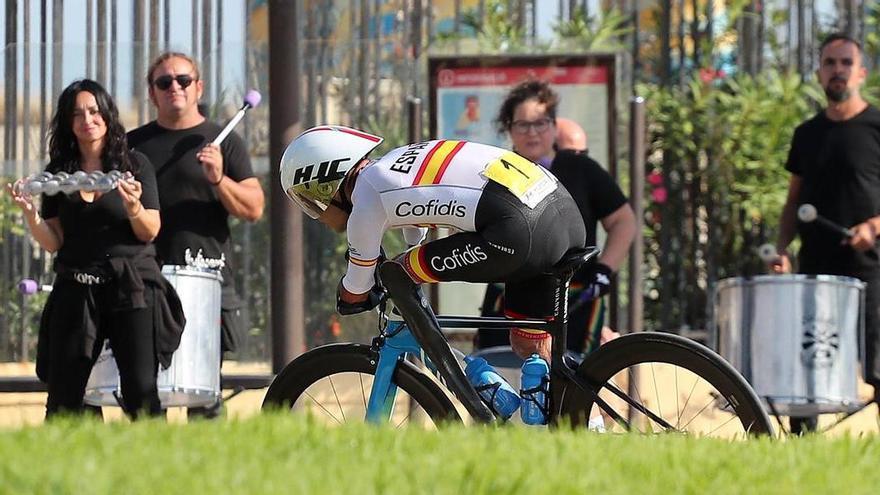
(563, 272)
(559, 331)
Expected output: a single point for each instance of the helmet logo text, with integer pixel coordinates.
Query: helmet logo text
(326, 171)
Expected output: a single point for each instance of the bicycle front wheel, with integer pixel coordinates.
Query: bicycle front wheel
(332, 383)
(661, 382)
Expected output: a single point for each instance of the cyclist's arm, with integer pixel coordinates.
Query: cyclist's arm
(366, 225)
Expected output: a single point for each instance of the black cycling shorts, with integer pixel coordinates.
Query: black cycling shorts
(513, 244)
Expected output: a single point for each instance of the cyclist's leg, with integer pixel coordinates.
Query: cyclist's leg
(468, 257)
(530, 298)
(556, 228)
(493, 305)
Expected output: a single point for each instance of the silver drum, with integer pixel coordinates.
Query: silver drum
(795, 338)
(193, 379)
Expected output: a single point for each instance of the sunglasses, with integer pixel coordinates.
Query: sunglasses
(164, 82)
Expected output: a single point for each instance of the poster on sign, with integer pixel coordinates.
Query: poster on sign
(467, 92)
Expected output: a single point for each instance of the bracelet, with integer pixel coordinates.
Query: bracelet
(215, 184)
(132, 217)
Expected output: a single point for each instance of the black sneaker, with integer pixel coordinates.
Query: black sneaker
(211, 411)
(803, 425)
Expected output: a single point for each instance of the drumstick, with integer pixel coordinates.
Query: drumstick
(251, 100)
(807, 214)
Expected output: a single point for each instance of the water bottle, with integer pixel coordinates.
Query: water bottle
(492, 387)
(535, 378)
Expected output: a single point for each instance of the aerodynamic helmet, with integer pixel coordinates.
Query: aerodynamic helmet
(314, 164)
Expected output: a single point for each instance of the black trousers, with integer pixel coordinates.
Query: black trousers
(872, 330)
(131, 337)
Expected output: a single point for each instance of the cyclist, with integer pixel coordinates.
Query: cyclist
(514, 221)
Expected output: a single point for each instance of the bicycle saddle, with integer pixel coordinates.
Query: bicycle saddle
(573, 259)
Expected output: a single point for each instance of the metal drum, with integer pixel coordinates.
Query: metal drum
(193, 379)
(795, 338)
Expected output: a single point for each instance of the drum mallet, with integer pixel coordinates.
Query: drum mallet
(251, 100)
(767, 253)
(28, 287)
(807, 214)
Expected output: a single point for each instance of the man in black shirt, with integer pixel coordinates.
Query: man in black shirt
(200, 184)
(835, 165)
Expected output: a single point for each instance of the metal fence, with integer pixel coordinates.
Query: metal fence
(343, 82)
(360, 60)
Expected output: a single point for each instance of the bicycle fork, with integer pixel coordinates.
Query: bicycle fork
(397, 343)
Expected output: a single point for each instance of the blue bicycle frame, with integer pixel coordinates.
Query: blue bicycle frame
(398, 342)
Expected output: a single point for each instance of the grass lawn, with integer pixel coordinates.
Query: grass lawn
(281, 454)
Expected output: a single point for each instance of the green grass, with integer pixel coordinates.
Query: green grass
(279, 454)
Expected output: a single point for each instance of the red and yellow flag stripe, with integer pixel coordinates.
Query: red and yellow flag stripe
(417, 266)
(364, 263)
(437, 162)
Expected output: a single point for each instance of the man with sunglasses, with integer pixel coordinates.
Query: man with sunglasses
(200, 184)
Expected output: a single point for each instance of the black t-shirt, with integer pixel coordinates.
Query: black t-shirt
(593, 188)
(839, 167)
(101, 229)
(192, 215)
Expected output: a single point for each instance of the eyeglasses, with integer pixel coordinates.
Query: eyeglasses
(523, 126)
(164, 82)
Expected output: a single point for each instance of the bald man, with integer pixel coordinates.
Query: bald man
(570, 135)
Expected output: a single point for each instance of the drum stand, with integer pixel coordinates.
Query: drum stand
(775, 413)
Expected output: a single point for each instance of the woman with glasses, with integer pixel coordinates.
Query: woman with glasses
(528, 115)
(108, 284)
(200, 184)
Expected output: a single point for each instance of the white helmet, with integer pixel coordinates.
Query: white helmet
(314, 164)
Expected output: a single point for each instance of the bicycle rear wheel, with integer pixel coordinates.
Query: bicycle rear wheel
(332, 384)
(680, 385)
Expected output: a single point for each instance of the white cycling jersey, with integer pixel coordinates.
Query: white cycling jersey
(430, 184)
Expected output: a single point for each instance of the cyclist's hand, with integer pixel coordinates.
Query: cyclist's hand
(597, 283)
(350, 304)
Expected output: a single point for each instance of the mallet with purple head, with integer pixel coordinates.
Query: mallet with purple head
(29, 287)
(251, 100)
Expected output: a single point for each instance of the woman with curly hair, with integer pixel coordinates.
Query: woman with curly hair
(108, 284)
(528, 115)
